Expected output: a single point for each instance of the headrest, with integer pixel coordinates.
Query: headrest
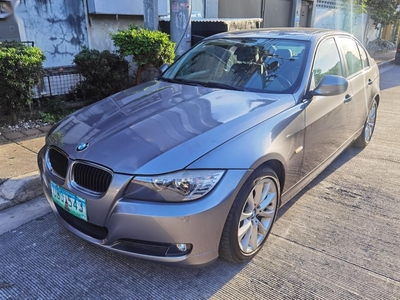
(246, 53)
(284, 53)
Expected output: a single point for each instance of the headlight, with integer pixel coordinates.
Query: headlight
(174, 187)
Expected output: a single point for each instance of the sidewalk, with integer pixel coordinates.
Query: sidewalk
(19, 176)
(384, 58)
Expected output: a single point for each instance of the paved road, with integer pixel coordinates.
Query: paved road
(339, 239)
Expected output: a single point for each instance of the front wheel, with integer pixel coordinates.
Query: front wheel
(369, 127)
(251, 217)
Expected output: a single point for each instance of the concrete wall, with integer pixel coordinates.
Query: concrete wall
(100, 26)
(9, 29)
(8, 22)
(58, 27)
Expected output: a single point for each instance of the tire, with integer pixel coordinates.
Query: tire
(253, 211)
(397, 60)
(369, 126)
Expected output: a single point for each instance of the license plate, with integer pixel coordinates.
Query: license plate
(70, 202)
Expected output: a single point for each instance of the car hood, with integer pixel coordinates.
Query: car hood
(160, 127)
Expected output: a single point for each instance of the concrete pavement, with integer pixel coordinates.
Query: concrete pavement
(19, 176)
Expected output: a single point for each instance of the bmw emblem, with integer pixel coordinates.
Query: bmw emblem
(82, 146)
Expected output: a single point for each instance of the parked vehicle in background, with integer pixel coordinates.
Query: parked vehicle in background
(195, 164)
(397, 56)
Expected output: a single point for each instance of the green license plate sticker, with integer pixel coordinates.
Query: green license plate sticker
(70, 202)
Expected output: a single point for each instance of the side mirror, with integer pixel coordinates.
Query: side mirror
(330, 85)
(164, 68)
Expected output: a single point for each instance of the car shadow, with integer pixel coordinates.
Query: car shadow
(342, 159)
(388, 82)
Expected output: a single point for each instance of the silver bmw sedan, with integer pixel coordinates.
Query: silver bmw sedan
(195, 164)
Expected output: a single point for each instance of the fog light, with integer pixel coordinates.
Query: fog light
(181, 247)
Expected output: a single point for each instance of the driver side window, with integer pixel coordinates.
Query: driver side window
(327, 61)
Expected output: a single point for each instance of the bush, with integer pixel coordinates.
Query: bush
(148, 48)
(54, 110)
(105, 73)
(21, 69)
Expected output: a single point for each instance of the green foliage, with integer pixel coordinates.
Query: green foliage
(20, 69)
(53, 110)
(380, 11)
(383, 11)
(148, 47)
(105, 73)
(49, 118)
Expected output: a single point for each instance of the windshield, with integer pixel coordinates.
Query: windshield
(259, 65)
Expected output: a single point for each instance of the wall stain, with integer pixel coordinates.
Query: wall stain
(56, 47)
(64, 23)
(42, 6)
(74, 24)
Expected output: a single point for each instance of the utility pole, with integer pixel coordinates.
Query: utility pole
(181, 24)
(150, 14)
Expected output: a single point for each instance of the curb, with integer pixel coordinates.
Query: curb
(385, 63)
(20, 189)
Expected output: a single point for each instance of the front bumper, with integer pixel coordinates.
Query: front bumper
(149, 230)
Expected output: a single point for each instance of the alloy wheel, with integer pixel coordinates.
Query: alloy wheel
(257, 215)
(370, 124)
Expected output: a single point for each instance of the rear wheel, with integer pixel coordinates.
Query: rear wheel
(397, 60)
(251, 216)
(369, 127)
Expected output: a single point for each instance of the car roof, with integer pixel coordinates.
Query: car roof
(297, 33)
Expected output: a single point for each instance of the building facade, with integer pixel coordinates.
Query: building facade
(60, 28)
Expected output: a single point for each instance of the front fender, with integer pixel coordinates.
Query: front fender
(279, 138)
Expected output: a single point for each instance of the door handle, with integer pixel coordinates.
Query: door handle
(348, 98)
(370, 81)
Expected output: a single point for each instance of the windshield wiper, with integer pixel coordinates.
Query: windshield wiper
(205, 84)
(222, 86)
(180, 81)
(170, 80)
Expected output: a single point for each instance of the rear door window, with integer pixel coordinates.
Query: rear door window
(351, 54)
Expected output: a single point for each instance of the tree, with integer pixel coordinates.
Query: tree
(148, 48)
(382, 12)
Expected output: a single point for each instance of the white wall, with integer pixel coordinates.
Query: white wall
(58, 27)
(348, 20)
